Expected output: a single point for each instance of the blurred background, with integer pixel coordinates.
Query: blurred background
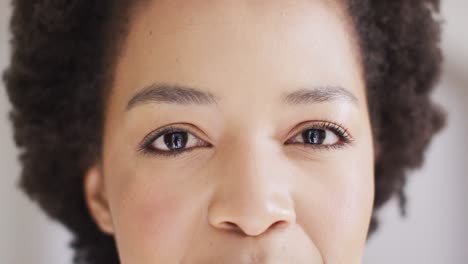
(434, 232)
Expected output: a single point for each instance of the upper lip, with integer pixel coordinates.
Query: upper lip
(250, 257)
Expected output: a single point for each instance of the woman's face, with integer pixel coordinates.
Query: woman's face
(268, 157)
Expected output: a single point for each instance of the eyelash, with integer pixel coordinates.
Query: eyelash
(341, 132)
(146, 149)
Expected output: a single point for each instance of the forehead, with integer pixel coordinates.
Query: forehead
(233, 48)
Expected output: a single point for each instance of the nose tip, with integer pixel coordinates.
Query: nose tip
(251, 229)
(253, 220)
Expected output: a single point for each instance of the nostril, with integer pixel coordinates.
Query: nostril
(279, 224)
(252, 218)
(229, 225)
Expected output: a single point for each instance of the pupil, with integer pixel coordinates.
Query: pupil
(314, 136)
(175, 140)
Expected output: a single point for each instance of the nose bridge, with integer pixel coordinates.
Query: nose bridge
(251, 196)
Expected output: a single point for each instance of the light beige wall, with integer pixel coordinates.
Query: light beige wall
(436, 230)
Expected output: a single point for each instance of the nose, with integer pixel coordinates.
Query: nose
(252, 196)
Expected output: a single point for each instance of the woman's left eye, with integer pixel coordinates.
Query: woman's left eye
(317, 137)
(323, 134)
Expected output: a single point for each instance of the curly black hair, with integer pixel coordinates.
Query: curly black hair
(59, 74)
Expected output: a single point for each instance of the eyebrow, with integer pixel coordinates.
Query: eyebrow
(171, 94)
(319, 95)
(185, 95)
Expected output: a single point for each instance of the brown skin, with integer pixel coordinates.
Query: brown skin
(245, 196)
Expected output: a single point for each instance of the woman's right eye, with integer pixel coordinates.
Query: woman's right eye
(171, 142)
(175, 141)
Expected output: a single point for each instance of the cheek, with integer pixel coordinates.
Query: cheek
(152, 218)
(335, 206)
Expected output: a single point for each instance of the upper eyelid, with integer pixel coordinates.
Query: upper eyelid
(153, 135)
(320, 124)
